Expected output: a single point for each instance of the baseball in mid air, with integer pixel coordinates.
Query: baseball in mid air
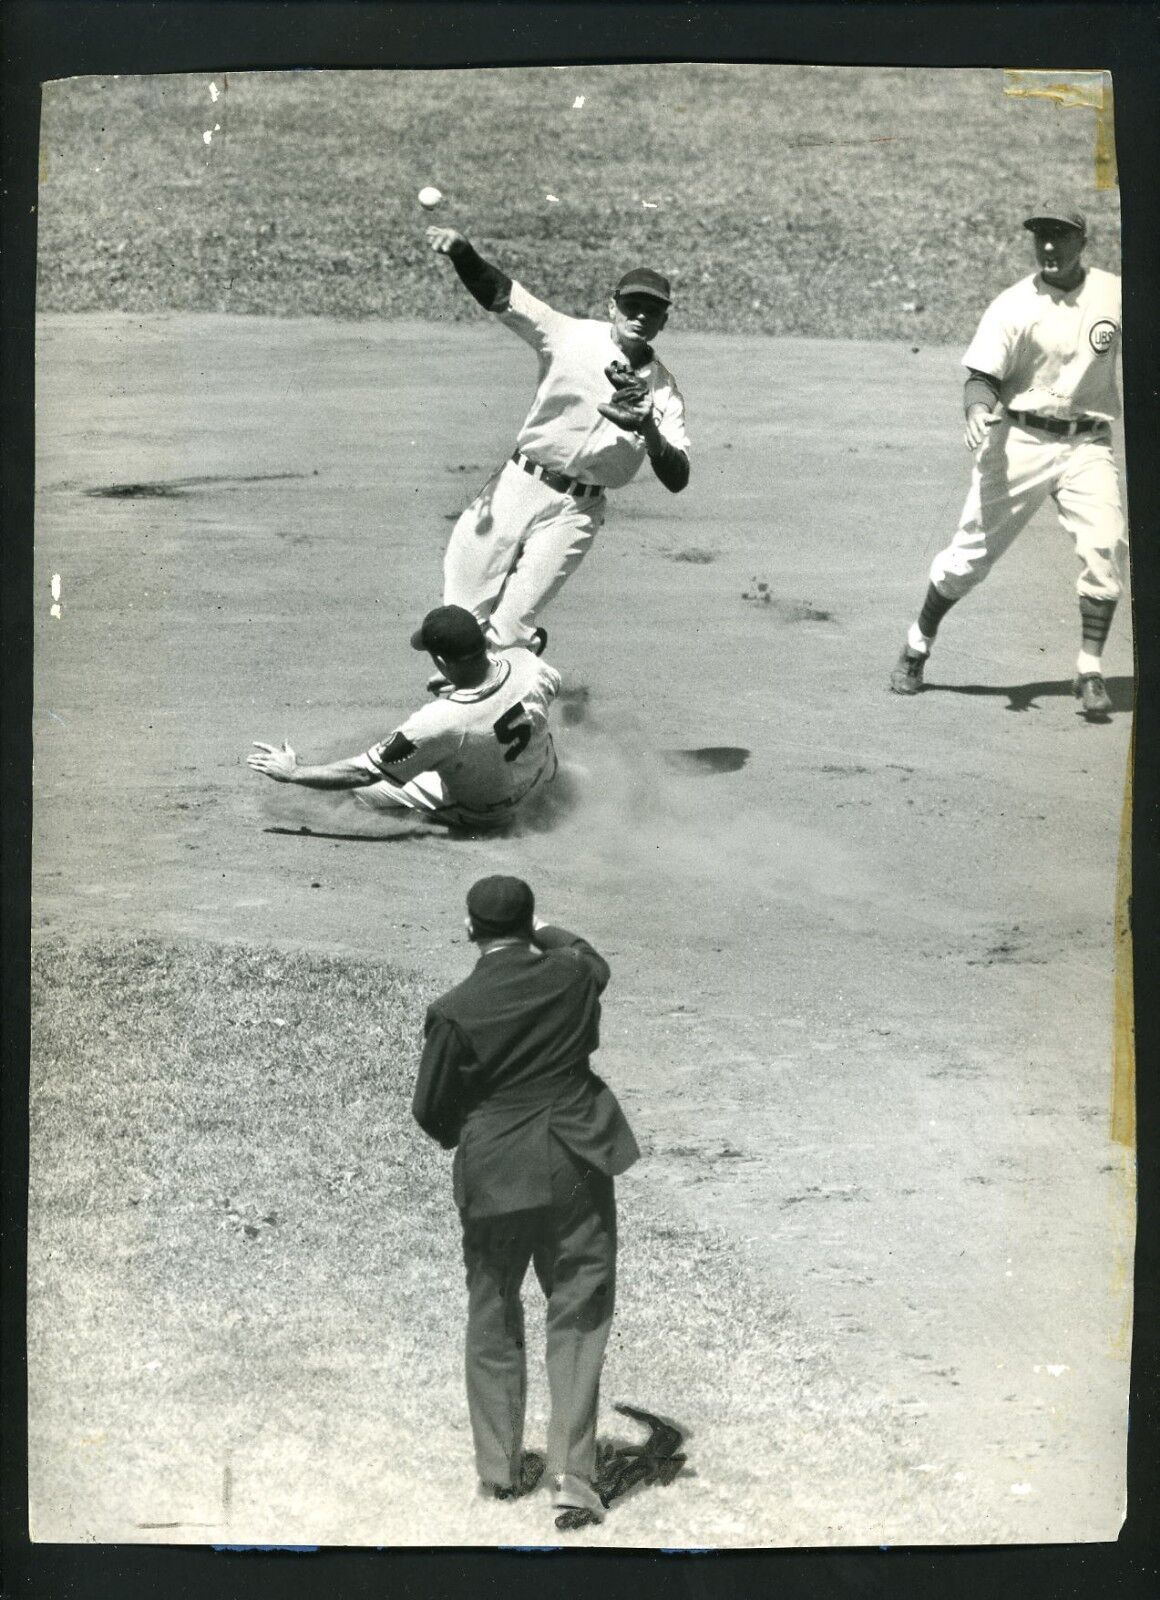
(430, 197)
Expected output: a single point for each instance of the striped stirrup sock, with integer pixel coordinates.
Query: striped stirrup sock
(1095, 621)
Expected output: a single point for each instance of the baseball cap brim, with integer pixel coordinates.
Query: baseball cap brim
(643, 280)
(1062, 214)
(451, 632)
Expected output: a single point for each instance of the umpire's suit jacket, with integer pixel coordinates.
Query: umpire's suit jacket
(505, 1069)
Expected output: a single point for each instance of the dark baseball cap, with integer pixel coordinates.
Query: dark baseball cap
(643, 280)
(1057, 211)
(500, 905)
(450, 632)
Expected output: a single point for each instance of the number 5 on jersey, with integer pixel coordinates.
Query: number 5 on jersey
(513, 730)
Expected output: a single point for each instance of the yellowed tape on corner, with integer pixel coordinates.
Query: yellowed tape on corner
(1123, 1023)
(1091, 90)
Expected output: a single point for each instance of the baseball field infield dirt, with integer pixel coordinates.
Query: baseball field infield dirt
(861, 945)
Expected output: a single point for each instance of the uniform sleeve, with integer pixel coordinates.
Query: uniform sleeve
(671, 421)
(550, 683)
(535, 322)
(422, 744)
(485, 283)
(992, 347)
(439, 1100)
(551, 938)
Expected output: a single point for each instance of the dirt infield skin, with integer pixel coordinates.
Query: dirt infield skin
(862, 978)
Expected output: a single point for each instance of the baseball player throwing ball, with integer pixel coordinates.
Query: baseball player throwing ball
(1040, 399)
(467, 759)
(603, 403)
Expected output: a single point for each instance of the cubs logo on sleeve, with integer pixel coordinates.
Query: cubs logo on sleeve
(1102, 335)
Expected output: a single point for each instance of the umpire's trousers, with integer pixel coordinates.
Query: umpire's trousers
(572, 1244)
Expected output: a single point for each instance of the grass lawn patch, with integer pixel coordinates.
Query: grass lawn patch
(821, 201)
(246, 1301)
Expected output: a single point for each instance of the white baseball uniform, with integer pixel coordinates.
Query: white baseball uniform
(1054, 353)
(513, 548)
(470, 757)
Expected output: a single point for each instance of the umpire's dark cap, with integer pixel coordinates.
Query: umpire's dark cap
(1057, 211)
(500, 905)
(643, 280)
(450, 632)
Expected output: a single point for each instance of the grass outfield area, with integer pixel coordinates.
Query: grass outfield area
(233, 1127)
(819, 201)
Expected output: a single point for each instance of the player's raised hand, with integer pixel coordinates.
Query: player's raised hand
(979, 419)
(444, 240)
(274, 761)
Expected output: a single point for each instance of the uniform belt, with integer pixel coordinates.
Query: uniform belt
(1030, 419)
(557, 480)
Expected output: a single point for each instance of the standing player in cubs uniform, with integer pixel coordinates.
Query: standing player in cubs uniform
(1040, 399)
(531, 524)
(467, 759)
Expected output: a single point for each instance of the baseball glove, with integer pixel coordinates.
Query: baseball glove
(631, 401)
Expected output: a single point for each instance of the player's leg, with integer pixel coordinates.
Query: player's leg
(577, 1272)
(496, 1252)
(486, 540)
(1011, 478)
(1091, 511)
(425, 792)
(553, 548)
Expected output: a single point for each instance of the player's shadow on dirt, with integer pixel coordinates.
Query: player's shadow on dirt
(179, 488)
(541, 812)
(361, 838)
(1023, 696)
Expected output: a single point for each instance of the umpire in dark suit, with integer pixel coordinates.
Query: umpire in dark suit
(505, 1079)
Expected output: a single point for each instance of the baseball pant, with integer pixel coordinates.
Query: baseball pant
(513, 549)
(427, 793)
(572, 1244)
(1015, 471)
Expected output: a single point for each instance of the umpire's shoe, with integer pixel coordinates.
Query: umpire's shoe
(577, 1501)
(1093, 694)
(907, 675)
(531, 1471)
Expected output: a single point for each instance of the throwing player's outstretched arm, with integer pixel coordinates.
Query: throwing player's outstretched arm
(490, 286)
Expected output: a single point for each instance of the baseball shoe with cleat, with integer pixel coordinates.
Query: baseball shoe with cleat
(1092, 692)
(539, 641)
(907, 675)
